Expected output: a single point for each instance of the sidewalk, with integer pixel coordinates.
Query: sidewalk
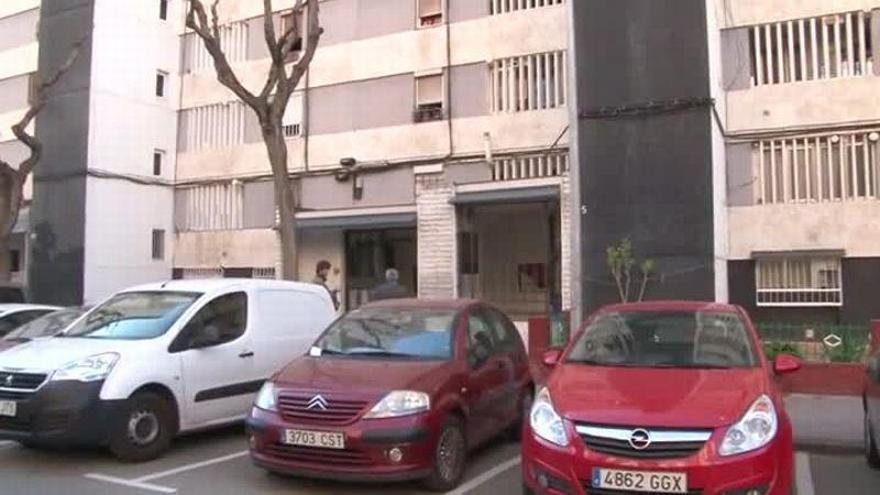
(826, 423)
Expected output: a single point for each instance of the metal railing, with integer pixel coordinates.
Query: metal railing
(820, 342)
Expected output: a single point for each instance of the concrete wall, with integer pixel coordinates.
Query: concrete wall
(19, 29)
(230, 248)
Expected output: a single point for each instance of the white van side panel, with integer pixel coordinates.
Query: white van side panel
(154, 368)
(289, 322)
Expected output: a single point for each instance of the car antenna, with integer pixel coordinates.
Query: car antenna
(164, 284)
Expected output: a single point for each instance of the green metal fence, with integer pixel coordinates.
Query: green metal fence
(820, 342)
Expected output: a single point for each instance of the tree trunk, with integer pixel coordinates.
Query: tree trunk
(285, 199)
(10, 204)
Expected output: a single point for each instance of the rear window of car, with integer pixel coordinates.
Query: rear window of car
(382, 333)
(665, 339)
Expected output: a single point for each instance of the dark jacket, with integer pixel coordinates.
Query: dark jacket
(388, 290)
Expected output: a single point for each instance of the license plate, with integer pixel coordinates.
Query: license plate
(640, 481)
(320, 439)
(8, 408)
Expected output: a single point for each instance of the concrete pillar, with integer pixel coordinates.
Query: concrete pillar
(436, 230)
(565, 223)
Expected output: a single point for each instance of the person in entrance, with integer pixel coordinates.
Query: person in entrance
(390, 288)
(322, 271)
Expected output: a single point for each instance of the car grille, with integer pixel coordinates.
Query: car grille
(602, 491)
(337, 412)
(665, 444)
(16, 396)
(21, 381)
(311, 455)
(14, 424)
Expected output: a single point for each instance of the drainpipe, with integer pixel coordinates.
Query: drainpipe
(448, 76)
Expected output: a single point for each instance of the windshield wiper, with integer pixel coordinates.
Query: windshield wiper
(381, 353)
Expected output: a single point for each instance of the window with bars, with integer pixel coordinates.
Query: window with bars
(530, 166)
(506, 6)
(430, 13)
(813, 48)
(530, 82)
(210, 207)
(212, 126)
(233, 41)
(818, 168)
(291, 122)
(288, 22)
(799, 281)
(429, 98)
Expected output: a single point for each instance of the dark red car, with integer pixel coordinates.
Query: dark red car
(396, 390)
(871, 400)
(672, 397)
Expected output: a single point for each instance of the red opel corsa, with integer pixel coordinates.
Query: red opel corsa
(396, 390)
(670, 397)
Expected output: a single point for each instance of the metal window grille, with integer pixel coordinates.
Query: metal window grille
(530, 166)
(799, 282)
(530, 82)
(211, 207)
(213, 126)
(233, 41)
(506, 6)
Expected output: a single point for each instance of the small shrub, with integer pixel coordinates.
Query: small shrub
(773, 349)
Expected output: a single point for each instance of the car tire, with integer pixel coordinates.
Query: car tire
(525, 408)
(872, 454)
(526, 490)
(144, 430)
(450, 454)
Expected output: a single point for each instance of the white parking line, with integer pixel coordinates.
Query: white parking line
(130, 483)
(488, 475)
(6, 443)
(190, 467)
(803, 474)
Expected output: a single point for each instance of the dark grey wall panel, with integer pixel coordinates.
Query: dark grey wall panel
(256, 49)
(392, 187)
(330, 109)
(466, 173)
(382, 17)
(339, 20)
(740, 177)
(14, 93)
(19, 29)
(647, 177)
(470, 87)
(384, 102)
(736, 59)
(259, 205)
(465, 10)
(58, 211)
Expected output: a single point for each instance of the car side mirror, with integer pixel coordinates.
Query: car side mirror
(552, 357)
(786, 363)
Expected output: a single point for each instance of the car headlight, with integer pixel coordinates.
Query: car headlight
(266, 398)
(90, 369)
(400, 403)
(545, 422)
(756, 429)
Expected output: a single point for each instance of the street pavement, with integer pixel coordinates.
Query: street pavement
(827, 431)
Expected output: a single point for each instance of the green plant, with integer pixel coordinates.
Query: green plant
(773, 349)
(850, 350)
(621, 260)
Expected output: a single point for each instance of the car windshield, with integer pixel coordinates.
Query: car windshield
(133, 316)
(382, 333)
(45, 326)
(665, 339)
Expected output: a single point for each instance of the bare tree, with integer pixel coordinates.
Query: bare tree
(12, 180)
(271, 102)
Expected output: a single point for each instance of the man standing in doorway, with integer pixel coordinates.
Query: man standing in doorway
(390, 288)
(322, 271)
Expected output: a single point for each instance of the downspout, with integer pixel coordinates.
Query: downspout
(448, 76)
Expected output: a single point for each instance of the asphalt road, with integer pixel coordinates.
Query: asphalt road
(216, 463)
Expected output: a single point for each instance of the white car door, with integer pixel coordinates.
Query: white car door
(217, 357)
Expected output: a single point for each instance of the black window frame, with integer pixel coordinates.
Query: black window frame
(158, 158)
(161, 83)
(157, 249)
(163, 10)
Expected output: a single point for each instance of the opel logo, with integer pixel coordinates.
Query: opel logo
(640, 439)
(8, 381)
(318, 402)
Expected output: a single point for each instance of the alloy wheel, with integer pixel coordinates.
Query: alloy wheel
(143, 428)
(450, 453)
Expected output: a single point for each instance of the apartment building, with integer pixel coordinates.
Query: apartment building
(802, 121)
(18, 62)
(428, 136)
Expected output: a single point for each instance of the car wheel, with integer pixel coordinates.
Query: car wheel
(449, 457)
(145, 429)
(525, 408)
(871, 452)
(526, 490)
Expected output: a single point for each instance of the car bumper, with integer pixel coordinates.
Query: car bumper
(60, 413)
(568, 471)
(366, 456)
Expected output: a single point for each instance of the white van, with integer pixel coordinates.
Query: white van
(157, 360)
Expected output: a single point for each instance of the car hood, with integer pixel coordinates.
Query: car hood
(370, 377)
(678, 398)
(50, 354)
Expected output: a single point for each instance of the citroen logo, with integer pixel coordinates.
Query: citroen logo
(318, 402)
(8, 381)
(640, 439)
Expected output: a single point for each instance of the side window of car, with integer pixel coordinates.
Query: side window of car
(480, 341)
(505, 333)
(220, 321)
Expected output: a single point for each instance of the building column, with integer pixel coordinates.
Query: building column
(436, 230)
(565, 240)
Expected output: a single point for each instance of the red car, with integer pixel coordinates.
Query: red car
(672, 397)
(871, 400)
(396, 390)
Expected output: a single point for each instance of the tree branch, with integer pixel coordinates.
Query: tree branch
(314, 32)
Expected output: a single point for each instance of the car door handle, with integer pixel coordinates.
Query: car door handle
(246, 354)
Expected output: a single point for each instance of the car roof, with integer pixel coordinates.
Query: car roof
(416, 303)
(214, 284)
(6, 308)
(688, 306)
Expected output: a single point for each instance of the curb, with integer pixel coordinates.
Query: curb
(829, 448)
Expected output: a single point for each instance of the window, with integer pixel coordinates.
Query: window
(288, 22)
(33, 86)
(799, 281)
(212, 126)
(158, 156)
(430, 13)
(530, 82)
(505, 333)
(163, 10)
(292, 121)
(158, 244)
(14, 260)
(210, 207)
(233, 40)
(469, 253)
(480, 341)
(134, 316)
(814, 48)
(429, 98)
(817, 168)
(161, 80)
(12, 321)
(530, 166)
(506, 6)
(221, 321)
